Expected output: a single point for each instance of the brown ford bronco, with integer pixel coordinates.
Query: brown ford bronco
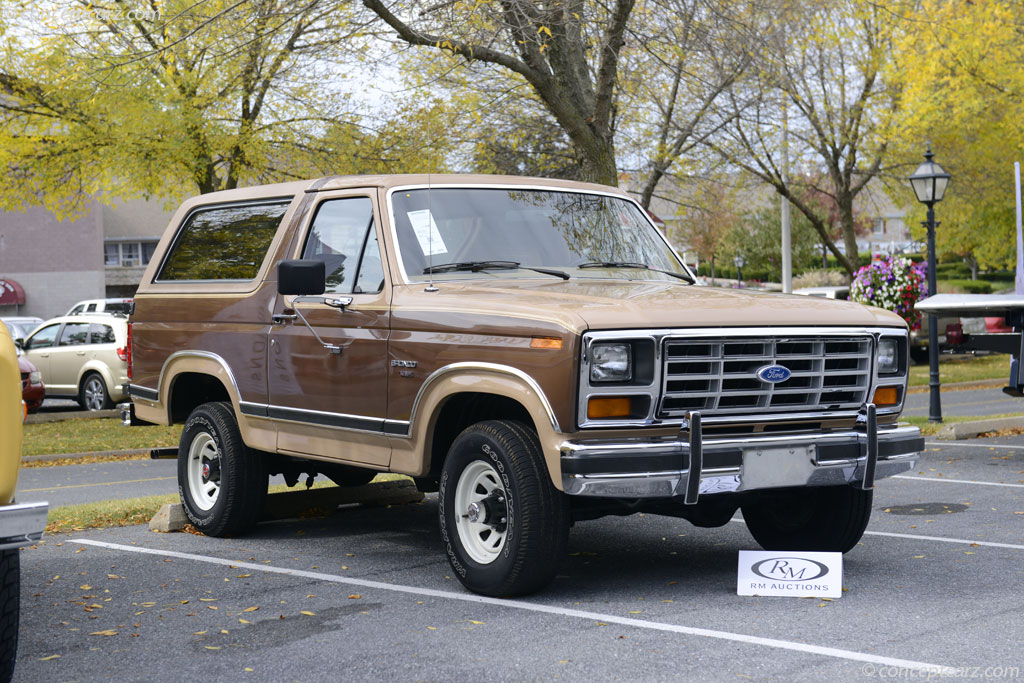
(534, 350)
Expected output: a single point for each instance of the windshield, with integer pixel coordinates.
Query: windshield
(534, 228)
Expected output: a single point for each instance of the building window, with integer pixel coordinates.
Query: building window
(879, 226)
(127, 254)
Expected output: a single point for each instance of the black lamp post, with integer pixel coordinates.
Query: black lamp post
(929, 182)
(739, 262)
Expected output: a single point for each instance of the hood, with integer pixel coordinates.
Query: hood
(620, 304)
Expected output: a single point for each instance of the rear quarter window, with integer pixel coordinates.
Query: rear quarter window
(223, 243)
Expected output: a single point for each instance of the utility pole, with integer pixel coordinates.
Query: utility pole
(787, 251)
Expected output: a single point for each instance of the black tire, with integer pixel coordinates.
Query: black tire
(527, 515)
(225, 498)
(10, 602)
(826, 519)
(93, 394)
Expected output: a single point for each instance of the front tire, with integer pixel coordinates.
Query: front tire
(221, 481)
(92, 394)
(503, 524)
(826, 519)
(10, 602)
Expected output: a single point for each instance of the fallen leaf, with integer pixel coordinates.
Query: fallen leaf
(212, 647)
(86, 587)
(199, 633)
(113, 576)
(207, 599)
(918, 557)
(249, 669)
(108, 632)
(355, 596)
(224, 632)
(478, 623)
(432, 628)
(243, 621)
(244, 576)
(636, 611)
(211, 607)
(46, 659)
(308, 613)
(600, 623)
(251, 609)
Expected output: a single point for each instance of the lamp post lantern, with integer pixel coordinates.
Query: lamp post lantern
(929, 182)
(739, 262)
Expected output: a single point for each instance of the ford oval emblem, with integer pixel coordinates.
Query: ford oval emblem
(773, 374)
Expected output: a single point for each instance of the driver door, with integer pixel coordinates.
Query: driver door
(332, 402)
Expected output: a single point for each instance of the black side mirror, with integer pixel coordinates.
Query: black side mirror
(301, 277)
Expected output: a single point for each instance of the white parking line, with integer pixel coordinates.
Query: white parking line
(940, 539)
(972, 445)
(956, 481)
(545, 609)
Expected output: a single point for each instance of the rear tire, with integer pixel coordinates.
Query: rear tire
(825, 519)
(10, 602)
(221, 481)
(92, 394)
(503, 524)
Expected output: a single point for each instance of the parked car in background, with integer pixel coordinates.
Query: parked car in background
(117, 306)
(82, 357)
(19, 327)
(20, 524)
(842, 292)
(33, 391)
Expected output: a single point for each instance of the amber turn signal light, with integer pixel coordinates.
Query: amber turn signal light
(887, 396)
(545, 343)
(598, 408)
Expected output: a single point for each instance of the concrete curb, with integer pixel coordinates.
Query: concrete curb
(40, 418)
(287, 504)
(91, 454)
(968, 430)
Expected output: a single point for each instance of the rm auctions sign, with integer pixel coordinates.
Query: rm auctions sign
(796, 574)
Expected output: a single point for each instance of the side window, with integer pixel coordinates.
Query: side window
(75, 334)
(76, 310)
(101, 334)
(91, 308)
(343, 238)
(225, 243)
(43, 338)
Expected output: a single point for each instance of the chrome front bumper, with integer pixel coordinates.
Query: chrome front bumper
(644, 468)
(22, 524)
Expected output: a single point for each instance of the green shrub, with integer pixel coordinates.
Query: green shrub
(964, 287)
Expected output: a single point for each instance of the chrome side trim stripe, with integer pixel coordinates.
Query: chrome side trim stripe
(356, 423)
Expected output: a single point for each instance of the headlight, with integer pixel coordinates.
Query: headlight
(888, 356)
(611, 363)
(35, 377)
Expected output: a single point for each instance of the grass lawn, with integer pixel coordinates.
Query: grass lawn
(963, 368)
(100, 434)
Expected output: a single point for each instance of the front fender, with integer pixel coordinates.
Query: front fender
(413, 454)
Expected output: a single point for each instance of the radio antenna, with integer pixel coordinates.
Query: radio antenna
(430, 216)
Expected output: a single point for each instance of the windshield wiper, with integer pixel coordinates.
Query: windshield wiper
(633, 264)
(477, 266)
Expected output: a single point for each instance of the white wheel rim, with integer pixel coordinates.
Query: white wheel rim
(482, 542)
(94, 393)
(203, 454)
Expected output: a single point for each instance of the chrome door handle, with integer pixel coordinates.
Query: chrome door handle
(338, 301)
(282, 318)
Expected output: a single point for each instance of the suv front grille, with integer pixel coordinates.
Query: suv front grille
(718, 376)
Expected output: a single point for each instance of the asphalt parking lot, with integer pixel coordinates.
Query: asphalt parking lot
(367, 594)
